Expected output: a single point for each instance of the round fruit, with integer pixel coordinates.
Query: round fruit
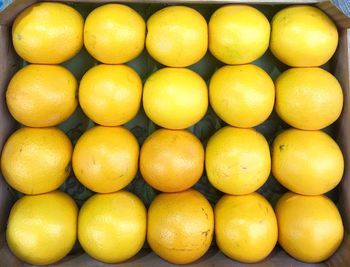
(175, 98)
(36, 160)
(245, 227)
(177, 36)
(105, 159)
(114, 33)
(110, 95)
(56, 40)
(237, 160)
(171, 161)
(303, 36)
(238, 34)
(242, 96)
(310, 227)
(42, 95)
(42, 229)
(307, 162)
(308, 98)
(180, 226)
(112, 227)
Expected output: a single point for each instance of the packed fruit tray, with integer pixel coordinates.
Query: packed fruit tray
(155, 134)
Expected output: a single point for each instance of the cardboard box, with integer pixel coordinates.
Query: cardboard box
(10, 63)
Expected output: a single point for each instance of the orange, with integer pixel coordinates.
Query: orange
(42, 229)
(180, 226)
(171, 161)
(308, 98)
(245, 227)
(177, 36)
(105, 159)
(307, 162)
(237, 160)
(42, 95)
(112, 227)
(48, 33)
(303, 36)
(310, 227)
(110, 95)
(114, 33)
(36, 160)
(175, 98)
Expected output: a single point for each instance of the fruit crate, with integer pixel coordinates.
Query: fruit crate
(339, 66)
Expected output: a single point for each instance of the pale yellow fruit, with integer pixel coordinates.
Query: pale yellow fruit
(175, 98)
(110, 95)
(307, 162)
(237, 160)
(42, 95)
(112, 227)
(105, 159)
(42, 229)
(177, 36)
(114, 33)
(245, 227)
(48, 33)
(242, 96)
(180, 226)
(36, 160)
(303, 36)
(308, 98)
(310, 227)
(238, 34)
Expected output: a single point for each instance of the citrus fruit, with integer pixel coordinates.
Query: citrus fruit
(105, 159)
(177, 36)
(42, 229)
(112, 227)
(36, 160)
(110, 95)
(180, 226)
(237, 160)
(303, 36)
(307, 162)
(42, 95)
(308, 98)
(242, 96)
(48, 33)
(171, 161)
(245, 227)
(114, 33)
(175, 98)
(238, 34)
(310, 227)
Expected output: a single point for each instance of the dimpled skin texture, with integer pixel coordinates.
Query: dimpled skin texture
(172, 161)
(238, 34)
(36, 160)
(114, 33)
(48, 33)
(42, 229)
(112, 227)
(307, 162)
(245, 227)
(303, 36)
(237, 160)
(180, 226)
(308, 98)
(310, 227)
(42, 95)
(175, 98)
(177, 36)
(105, 159)
(110, 95)
(242, 96)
